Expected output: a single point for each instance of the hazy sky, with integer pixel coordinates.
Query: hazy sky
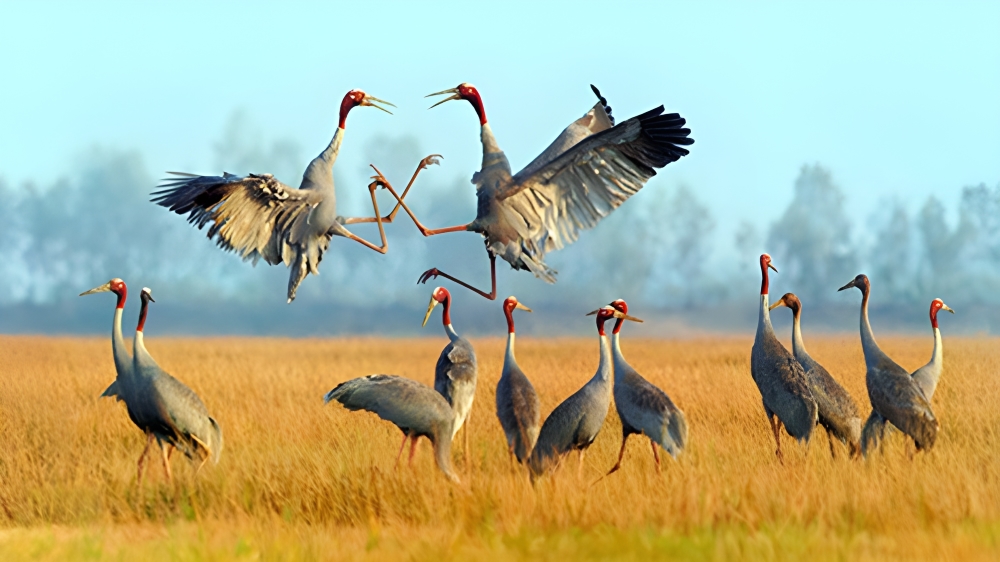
(896, 99)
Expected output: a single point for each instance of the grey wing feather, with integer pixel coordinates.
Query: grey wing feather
(456, 362)
(584, 184)
(112, 391)
(837, 410)
(896, 397)
(406, 403)
(184, 412)
(647, 409)
(783, 387)
(254, 216)
(519, 411)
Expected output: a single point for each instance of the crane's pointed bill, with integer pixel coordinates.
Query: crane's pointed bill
(848, 286)
(105, 288)
(454, 97)
(946, 307)
(781, 302)
(522, 307)
(372, 101)
(430, 308)
(448, 91)
(627, 317)
(771, 265)
(592, 312)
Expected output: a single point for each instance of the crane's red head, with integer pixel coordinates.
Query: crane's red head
(621, 306)
(936, 305)
(791, 301)
(116, 286)
(607, 312)
(467, 92)
(509, 304)
(353, 99)
(439, 296)
(765, 262)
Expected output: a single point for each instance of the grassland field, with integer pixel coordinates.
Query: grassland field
(300, 480)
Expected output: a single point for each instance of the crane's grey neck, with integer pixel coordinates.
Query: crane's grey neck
(508, 357)
(764, 317)
(319, 174)
(118, 348)
(618, 359)
(604, 367)
(490, 146)
(798, 345)
(937, 356)
(873, 353)
(452, 334)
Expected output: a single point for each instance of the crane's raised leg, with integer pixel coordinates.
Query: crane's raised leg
(423, 229)
(492, 295)
(656, 455)
(143, 456)
(379, 181)
(432, 159)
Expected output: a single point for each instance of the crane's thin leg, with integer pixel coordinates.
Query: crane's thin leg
(621, 455)
(143, 456)
(413, 449)
(432, 159)
(776, 428)
(465, 438)
(579, 466)
(400, 453)
(829, 436)
(166, 461)
(656, 455)
(492, 295)
(381, 229)
(423, 229)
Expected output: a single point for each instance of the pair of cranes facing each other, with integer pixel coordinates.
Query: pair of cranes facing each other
(798, 392)
(161, 406)
(587, 172)
(419, 411)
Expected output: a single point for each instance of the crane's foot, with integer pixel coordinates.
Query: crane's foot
(426, 276)
(378, 180)
(780, 455)
(429, 161)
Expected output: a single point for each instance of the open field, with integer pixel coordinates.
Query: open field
(300, 480)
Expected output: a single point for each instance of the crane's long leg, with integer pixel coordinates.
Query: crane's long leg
(776, 428)
(423, 229)
(829, 437)
(166, 460)
(400, 453)
(579, 466)
(656, 455)
(413, 449)
(621, 455)
(432, 159)
(492, 295)
(143, 456)
(381, 229)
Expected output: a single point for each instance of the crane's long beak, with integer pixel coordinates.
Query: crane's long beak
(771, 265)
(430, 308)
(522, 307)
(452, 91)
(105, 288)
(626, 317)
(371, 101)
(592, 312)
(781, 302)
(848, 286)
(946, 307)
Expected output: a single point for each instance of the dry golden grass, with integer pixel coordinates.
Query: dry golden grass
(299, 479)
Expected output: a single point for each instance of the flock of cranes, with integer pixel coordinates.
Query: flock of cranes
(591, 168)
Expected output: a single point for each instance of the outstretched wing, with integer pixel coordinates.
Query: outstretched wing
(585, 183)
(251, 215)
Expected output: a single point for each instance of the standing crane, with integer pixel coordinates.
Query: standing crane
(575, 423)
(518, 408)
(455, 374)
(643, 408)
(587, 172)
(257, 216)
(781, 380)
(838, 413)
(171, 413)
(417, 410)
(926, 377)
(894, 394)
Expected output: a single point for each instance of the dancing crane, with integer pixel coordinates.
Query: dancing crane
(257, 216)
(518, 408)
(585, 174)
(893, 393)
(838, 413)
(781, 380)
(575, 423)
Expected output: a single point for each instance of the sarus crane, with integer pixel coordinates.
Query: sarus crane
(585, 174)
(643, 408)
(838, 413)
(781, 380)
(894, 394)
(416, 409)
(456, 373)
(926, 377)
(257, 216)
(575, 423)
(518, 408)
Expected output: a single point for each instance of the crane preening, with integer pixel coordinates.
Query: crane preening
(257, 216)
(584, 175)
(894, 394)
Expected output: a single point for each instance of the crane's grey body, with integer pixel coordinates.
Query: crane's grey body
(893, 393)
(587, 172)
(257, 216)
(781, 380)
(417, 410)
(455, 376)
(575, 423)
(837, 411)
(518, 408)
(644, 408)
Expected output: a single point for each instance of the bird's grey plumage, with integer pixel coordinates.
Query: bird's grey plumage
(455, 376)
(518, 408)
(893, 393)
(644, 408)
(414, 408)
(837, 411)
(170, 410)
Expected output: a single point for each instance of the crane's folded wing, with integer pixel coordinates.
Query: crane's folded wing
(585, 183)
(252, 215)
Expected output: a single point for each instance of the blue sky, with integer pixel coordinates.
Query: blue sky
(898, 99)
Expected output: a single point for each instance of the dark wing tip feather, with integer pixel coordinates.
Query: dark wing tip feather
(604, 102)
